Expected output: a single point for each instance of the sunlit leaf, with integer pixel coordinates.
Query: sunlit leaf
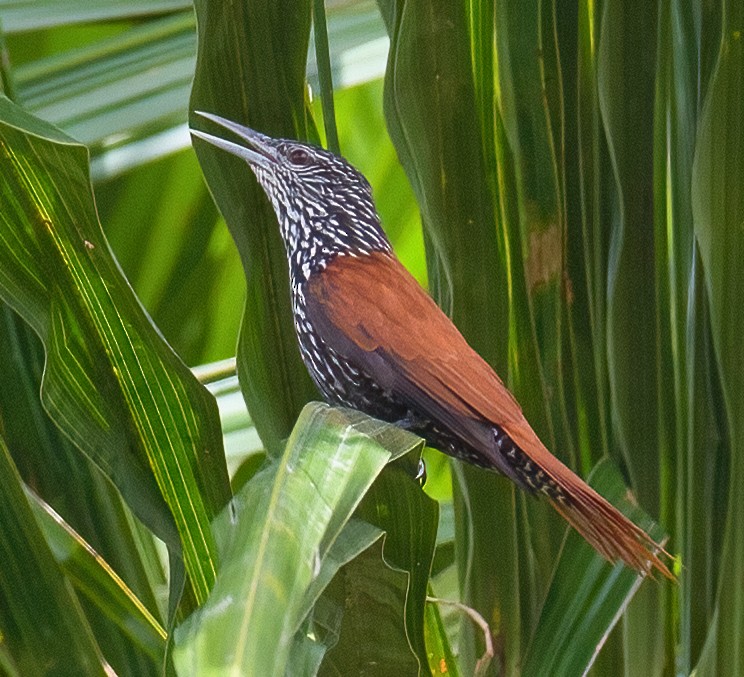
(275, 537)
(111, 383)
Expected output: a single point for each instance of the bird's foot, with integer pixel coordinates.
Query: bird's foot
(420, 475)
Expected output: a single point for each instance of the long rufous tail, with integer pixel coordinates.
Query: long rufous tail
(610, 532)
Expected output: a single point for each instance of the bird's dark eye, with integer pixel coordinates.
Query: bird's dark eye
(298, 157)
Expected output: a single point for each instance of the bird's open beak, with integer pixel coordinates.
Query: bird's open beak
(260, 153)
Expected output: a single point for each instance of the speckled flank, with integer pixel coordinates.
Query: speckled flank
(532, 476)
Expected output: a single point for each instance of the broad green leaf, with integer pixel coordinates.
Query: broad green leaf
(398, 506)
(251, 69)
(93, 578)
(587, 595)
(703, 496)
(697, 471)
(454, 196)
(626, 61)
(355, 537)
(626, 69)
(42, 628)
(431, 106)
(177, 254)
(111, 383)
(587, 237)
(372, 639)
(275, 537)
(46, 459)
(531, 110)
(718, 208)
(322, 625)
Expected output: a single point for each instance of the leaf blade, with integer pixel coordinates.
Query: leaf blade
(111, 383)
(286, 521)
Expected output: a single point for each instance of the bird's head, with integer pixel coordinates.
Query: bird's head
(324, 205)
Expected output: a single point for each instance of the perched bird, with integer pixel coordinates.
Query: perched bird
(374, 340)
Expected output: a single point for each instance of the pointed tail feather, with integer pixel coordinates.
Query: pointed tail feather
(610, 532)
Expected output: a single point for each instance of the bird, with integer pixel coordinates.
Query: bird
(374, 340)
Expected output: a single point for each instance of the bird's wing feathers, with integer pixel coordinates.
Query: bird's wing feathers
(375, 314)
(378, 306)
(372, 312)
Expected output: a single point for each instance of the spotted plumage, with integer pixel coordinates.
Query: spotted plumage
(372, 339)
